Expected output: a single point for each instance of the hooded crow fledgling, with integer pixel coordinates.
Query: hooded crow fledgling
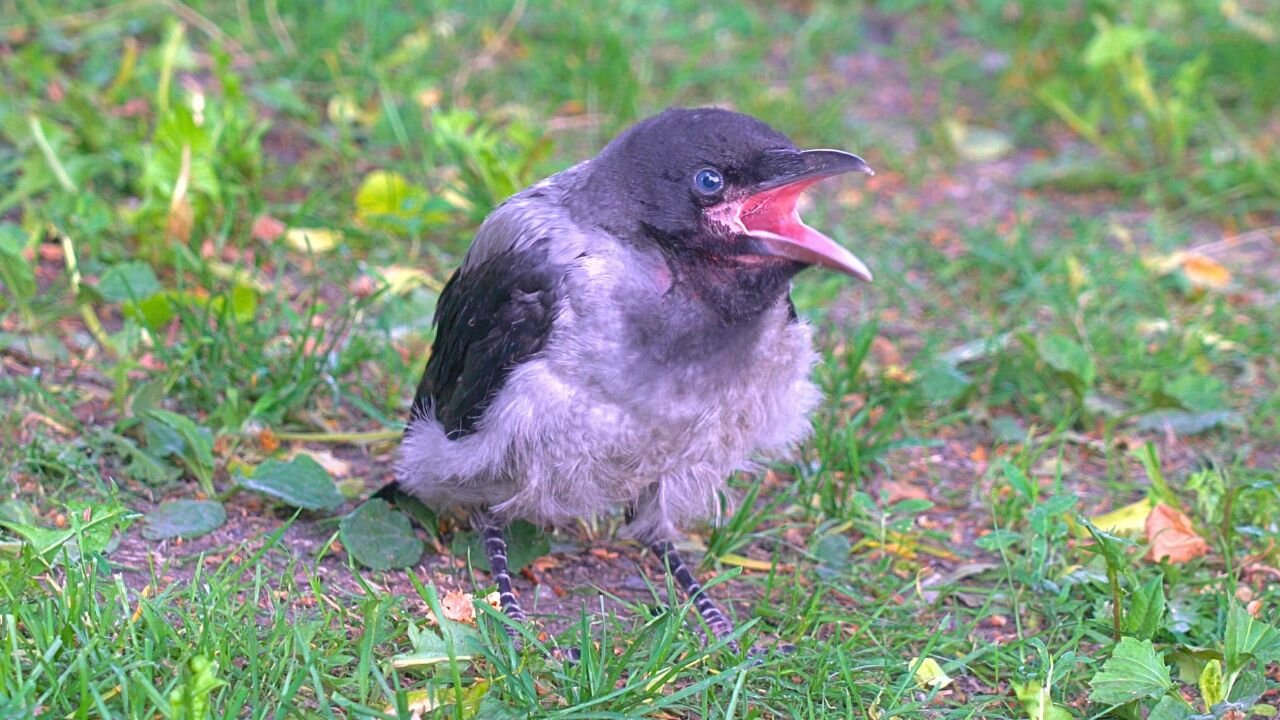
(622, 334)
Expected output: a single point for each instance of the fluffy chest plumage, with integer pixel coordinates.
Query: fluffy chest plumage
(638, 400)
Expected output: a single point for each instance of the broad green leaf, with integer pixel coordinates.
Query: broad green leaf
(525, 543)
(1113, 43)
(1133, 671)
(197, 452)
(184, 519)
(16, 274)
(998, 539)
(832, 553)
(128, 281)
(18, 511)
(1247, 687)
(43, 541)
(1188, 423)
(1145, 614)
(1211, 690)
(1197, 393)
(143, 465)
(301, 482)
(1067, 356)
(90, 531)
(1171, 707)
(1037, 704)
(98, 524)
(1248, 638)
(380, 537)
(941, 383)
(190, 699)
(430, 648)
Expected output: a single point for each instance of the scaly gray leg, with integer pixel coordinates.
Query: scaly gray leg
(495, 548)
(711, 615)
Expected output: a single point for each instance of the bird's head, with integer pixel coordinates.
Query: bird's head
(718, 189)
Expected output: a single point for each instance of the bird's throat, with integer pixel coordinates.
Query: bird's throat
(738, 289)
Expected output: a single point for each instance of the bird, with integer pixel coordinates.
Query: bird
(621, 335)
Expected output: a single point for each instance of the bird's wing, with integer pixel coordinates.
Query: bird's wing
(491, 316)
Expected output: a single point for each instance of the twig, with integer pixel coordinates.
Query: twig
(491, 48)
(278, 28)
(87, 314)
(210, 28)
(366, 438)
(59, 172)
(1240, 239)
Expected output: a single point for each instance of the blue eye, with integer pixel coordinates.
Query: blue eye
(708, 181)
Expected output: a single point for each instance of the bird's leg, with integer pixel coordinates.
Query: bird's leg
(495, 548)
(711, 614)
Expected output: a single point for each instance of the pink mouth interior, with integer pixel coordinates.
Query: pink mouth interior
(774, 212)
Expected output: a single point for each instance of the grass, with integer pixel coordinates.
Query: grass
(223, 226)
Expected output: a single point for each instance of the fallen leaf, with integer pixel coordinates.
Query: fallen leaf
(929, 673)
(899, 374)
(460, 607)
(267, 228)
(1201, 271)
(977, 144)
(1205, 272)
(401, 280)
(316, 240)
(1128, 520)
(898, 491)
(1171, 536)
(337, 467)
(746, 562)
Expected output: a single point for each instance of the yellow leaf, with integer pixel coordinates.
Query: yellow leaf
(382, 193)
(1077, 277)
(400, 280)
(1201, 271)
(1128, 520)
(316, 240)
(930, 674)
(899, 374)
(238, 275)
(1205, 272)
(419, 703)
(977, 144)
(746, 562)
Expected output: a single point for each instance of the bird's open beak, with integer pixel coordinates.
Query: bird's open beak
(769, 213)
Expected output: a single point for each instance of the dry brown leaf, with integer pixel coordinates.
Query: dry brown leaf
(267, 228)
(459, 607)
(1171, 536)
(898, 491)
(335, 466)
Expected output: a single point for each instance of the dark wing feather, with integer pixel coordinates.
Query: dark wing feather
(490, 318)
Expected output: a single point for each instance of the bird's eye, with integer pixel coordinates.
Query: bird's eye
(708, 181)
